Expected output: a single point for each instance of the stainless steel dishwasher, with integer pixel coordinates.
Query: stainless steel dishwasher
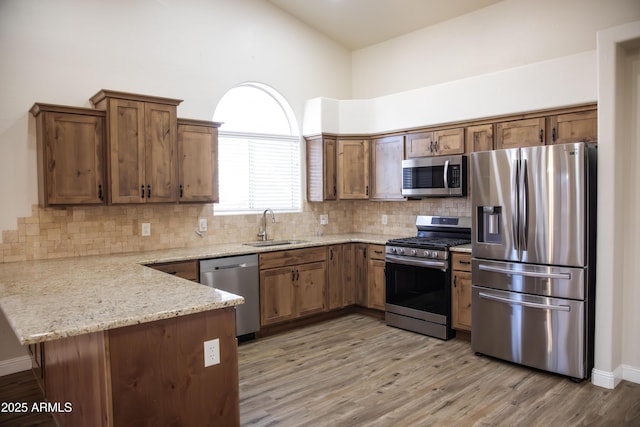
(238, 275)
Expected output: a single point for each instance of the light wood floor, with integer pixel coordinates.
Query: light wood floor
(356, 371)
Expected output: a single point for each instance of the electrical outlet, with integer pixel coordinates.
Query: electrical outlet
(211, 352)
(202, 224)
(146, 229)
(324, 219)
(384, 220)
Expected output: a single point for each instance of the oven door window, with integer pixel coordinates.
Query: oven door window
(423, 177)
(421, 288)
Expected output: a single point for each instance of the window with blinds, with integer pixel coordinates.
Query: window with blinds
(258, 151)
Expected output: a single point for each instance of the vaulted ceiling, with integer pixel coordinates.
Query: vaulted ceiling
(360, 23)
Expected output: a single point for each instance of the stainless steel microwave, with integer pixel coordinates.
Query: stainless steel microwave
(440, 176)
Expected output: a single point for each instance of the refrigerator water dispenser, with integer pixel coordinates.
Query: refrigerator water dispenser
(490, 224)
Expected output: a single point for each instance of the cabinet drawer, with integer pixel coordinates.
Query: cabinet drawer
(461, 262)
(292, 257)
(185, 269)
(376, 252)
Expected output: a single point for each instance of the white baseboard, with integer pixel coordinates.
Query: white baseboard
(17, 364)
(631, 373)
(610, 380)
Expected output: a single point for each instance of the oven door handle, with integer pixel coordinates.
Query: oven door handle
(525, 303)
(441, 265)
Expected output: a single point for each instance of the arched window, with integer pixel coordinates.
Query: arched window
(259, 152)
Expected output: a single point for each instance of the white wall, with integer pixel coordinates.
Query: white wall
(63, 52)
(618, 285)
(507, 34)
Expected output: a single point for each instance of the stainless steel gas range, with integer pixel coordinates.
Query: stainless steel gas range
(418, 275)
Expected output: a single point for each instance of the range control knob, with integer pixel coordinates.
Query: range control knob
(414, 252)
(434, 254)
(401, 251)
(426, 254)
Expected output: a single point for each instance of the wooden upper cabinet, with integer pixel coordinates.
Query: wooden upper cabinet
(480, 138)
(437, 143)
(520, 133)
(197, 161)
(353, 169)
(448, 141)
(573, 127)
(387, 155)
(321, 169)
(419, 144)
(142, 146)
(70, 151)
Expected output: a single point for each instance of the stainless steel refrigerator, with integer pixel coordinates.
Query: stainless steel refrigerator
(533, 278)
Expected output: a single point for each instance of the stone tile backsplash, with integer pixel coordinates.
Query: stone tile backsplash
(103, 230)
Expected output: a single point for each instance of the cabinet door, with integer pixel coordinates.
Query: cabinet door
(276, 295)
(387, 155)
(321, 169)
(160, 152)
(449, 141)
(376, 284)
(461, 300)
(126, 151)
(360, 274)
(335, 274)
(197, 163)
(311, 285)
(520, 133)
(349, 292)
(480, 138)
(419, 144)
(573, 127)
(353, 169)
(71, 152)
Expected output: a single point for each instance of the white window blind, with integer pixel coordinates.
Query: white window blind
(258, 172)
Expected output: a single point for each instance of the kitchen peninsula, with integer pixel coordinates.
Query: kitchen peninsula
(124, 342)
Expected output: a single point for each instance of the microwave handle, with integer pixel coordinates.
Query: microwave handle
(446, 174)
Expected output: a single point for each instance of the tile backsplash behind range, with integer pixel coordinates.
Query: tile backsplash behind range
(102, 230)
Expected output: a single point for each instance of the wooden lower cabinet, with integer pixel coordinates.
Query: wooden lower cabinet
(293, 284)
(376, 282)
(461, 291)
(185, 269)
(147, 374)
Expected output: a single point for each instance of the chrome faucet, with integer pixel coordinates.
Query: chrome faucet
(263, 233)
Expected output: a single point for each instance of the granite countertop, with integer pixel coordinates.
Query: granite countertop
(462, 248)
(50, 299)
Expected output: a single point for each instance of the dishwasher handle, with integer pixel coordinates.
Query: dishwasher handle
(227, 267)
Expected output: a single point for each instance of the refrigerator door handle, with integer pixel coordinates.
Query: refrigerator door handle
(446, 174)
(492, 269)
(524, 200)
(514, 206)
(525, 303)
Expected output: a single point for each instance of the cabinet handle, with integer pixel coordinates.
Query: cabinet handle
(293, 275)
(149, 191)
(330, 254)
(455, 281)
(100, 195)
(541, 136)
(431, 146)
(435, 144)
(142, 191)
(366, 190)
(297, 274)
(553, 134)
(335, 191)
(464, 262)
(181, 190)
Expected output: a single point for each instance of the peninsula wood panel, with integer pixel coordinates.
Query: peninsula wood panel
(77, 372)
(158, 374)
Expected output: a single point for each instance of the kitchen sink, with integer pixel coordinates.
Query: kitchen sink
(266, 243)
